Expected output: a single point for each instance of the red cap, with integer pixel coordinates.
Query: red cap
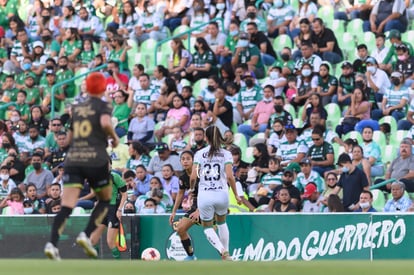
(96, 83)
(310, 188)
(2, 33)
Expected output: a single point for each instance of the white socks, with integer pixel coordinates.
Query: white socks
(213, 238)
(224, 234)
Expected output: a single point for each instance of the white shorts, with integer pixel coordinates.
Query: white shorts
(212, 202)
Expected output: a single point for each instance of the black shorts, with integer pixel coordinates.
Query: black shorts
(189, 212)
(111, 220)
(97, 177)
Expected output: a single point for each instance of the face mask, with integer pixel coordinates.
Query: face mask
(345, 169)
(371, 69)
(304, 1)
(285, 57)
(243, 178)
(267, 100)
(401, 57)
(64, 67)
(147, 210)
(249, 83)
(278, 3)
(364, 205)
(46, 37)
(367, 140)
(234, 33)
(37, 165)
(220, 6)
(46, 18)
(279, 132)
(27, 66)
(199, 142)
(150, 9)
(5, 145)
(210, 88)
(306, 72)
(198, 8)
(196, 47)
(251, 15)
(286, 182)
(4, 177)
(129, 211)
(278, 108)
(274, 75)
(359, 83)
(243, 43)
(28, 210)
(396, 81)
(14, 118)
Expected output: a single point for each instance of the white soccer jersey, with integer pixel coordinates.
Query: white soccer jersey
(211, 171)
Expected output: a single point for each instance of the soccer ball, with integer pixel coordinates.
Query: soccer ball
(150, 254)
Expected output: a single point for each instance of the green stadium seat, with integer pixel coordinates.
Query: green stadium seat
(368, 39)
(390, 120)
(355, 26)
(281, 41)
(389, 154)
(78, 211)
(327, 15)
(234, 128)
(198, 86)
(348, 42)
(240, 140)
(408, 36)
(397, 137)
(338, 27)
(379, 138)
(334, 113)
(181, 29)
(289, 108)
(147, 55)
(379, 200)
(247, 155)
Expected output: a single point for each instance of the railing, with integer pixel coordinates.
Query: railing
(187, 32)
(381, 184)
(57, 85)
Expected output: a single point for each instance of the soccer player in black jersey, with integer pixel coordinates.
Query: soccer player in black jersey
(86, 160)
(192, 215)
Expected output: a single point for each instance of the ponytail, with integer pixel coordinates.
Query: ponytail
(214, 139)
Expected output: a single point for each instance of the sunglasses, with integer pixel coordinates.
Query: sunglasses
(331, 179)
(56, 124)
(316, 139)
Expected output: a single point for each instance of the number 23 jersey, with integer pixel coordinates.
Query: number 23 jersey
(89, 141)
(211, 171)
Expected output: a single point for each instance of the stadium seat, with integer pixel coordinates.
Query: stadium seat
(334, 113)
(6, 211)
(327, 15)
(289, 108)
(181, 29)
(355, 26)
(390, 120)
(379, 138)
(389, 154)
(198, 86)
(348, 42)
(397, 137)
(354, 135)
(281, 41)
(147, 55)
(379, 200)
(408, 36)
(167, 139)
(78, 211)
(247, 155)
(240, 140)
(234, 128)
(338, 27)
(298, 123)
(368, 39)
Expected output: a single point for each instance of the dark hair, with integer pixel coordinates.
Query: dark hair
(115, 63)
(129, 174)
(214, 139)
(317, 131)
(171, 86)
(199, 129)
(304, 21)
(187, 152)
(137, 146)
(367, 192)
(271, 87)
(204, 45)
(157, 179)
(10, 138)
(264, 154)
(162, 70)
(30, 185)
(142, 167)
(125, 16)
(170, 166)
(151, 199)
(335, 204)
(362, 46)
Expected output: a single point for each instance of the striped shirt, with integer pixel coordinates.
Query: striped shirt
(394, 97)
(145, 96)
(302, 181)
(248, 98)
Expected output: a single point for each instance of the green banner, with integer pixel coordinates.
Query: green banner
(253, 237)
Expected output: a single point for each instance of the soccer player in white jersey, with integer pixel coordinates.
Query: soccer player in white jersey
(213, 166)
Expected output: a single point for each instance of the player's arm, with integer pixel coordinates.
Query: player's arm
(177, 203)
(193, 177)
(232, 182)
(106, 124)
(124, 197)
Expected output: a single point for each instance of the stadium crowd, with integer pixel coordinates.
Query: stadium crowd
(315, 99)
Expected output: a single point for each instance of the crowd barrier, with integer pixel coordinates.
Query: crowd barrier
(253, 237)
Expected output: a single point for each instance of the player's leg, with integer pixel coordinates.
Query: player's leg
(69, 200)
(182, 230)
(206, 209)
(113, 229)
(96, 235)
(223, 230)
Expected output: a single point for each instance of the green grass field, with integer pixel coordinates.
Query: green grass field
(107, 267)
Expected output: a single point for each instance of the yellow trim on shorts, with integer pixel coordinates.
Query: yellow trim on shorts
(78, 185)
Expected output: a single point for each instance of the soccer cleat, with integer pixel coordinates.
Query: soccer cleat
(225, 256)
(86, 244)
(52, 252)
(190, 258)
